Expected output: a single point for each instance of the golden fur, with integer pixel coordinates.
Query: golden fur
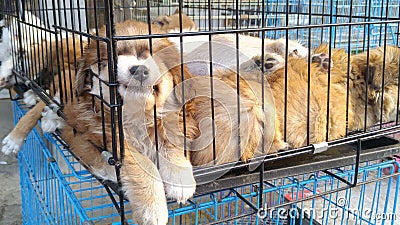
(373, 73)
(171, 23)
(166, 94)
(365, 106)
(296, 113)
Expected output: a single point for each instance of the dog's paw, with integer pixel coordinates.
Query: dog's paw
(323, 60)
(30, 98)
(272, 62)
(179, 182)
(51, 121)
(155, 214)
(277, 146)
(11, 144)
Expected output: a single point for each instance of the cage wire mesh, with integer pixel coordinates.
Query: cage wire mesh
(58, 190)
(50, 36)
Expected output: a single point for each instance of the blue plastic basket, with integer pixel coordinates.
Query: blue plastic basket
(338, 22)
(360, 23)
(56, 189)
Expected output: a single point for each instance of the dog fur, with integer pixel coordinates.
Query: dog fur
(364, 105)
(162, 88)
(48, 66)
(377, 74)
(341, 74)
(224, 49)
(296, 95)
(171, 24)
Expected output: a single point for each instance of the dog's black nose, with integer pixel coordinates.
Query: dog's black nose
(139, 72)
(376, 87)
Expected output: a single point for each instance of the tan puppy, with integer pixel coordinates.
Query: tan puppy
(297, 95)
(377, 73)
(48, 66)
(363, 110)
(251, 124)
(155, 80)
(171, 24)
(140, 178)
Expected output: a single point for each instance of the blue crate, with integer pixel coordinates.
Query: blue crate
(328, 19)
(337, 14)
(56, 189)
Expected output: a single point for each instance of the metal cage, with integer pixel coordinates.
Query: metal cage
(350, 180)
(56, 189)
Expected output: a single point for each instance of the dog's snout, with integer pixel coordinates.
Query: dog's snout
(139, 72)
(376, 87)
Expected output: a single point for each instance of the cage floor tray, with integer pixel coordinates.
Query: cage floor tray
(372, 149)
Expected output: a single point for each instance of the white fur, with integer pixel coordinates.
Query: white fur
(51, 121)
(178, 179)
(125, 62)
(11, 144)
(224, 50)
(6, 59)
(30, 98)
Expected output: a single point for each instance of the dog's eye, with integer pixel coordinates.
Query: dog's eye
(295, 51)
(155, 89)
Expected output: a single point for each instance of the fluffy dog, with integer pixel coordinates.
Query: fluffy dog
(141, 179)
(171, 24)
(196, 50)
(365, 105)
(348, 82)
(380, 74)
(224, 47)
(32, 40)
(297, 115)
(148, 81)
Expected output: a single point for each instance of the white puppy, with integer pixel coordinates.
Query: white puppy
(226, 51)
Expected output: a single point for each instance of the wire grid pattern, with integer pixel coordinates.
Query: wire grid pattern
(56, 189)
(310, 21)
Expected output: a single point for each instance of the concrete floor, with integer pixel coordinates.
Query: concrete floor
(10, 195)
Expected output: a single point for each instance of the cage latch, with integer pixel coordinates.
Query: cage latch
(108, 157)
(320, 147)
